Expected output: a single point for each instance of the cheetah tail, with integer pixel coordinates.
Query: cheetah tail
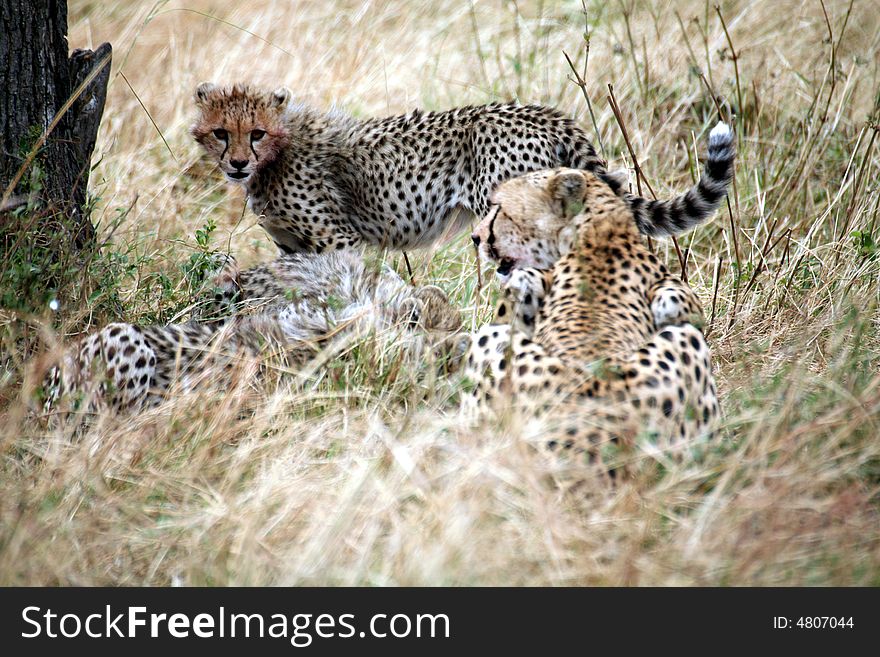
(684, 212)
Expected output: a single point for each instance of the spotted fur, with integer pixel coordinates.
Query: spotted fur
(324, 181)
(292, 307)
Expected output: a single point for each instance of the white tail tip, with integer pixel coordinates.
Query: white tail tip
(721, 132)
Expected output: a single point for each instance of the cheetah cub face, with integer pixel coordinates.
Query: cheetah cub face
(242, 129)
(531, 219)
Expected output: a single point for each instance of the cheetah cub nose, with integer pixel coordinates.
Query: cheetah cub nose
(238, 164)
(476, 239)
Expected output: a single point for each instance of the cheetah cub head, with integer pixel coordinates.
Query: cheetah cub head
(241, 128)
(534, 219)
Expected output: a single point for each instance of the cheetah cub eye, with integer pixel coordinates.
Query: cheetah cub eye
(257, 135)
(221, 134)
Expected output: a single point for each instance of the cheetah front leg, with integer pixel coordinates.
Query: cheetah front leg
(522, 297)
(506, 339)
(677, 390)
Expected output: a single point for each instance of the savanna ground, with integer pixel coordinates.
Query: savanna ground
(361, 473)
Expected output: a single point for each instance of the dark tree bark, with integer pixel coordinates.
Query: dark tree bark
(37, 77)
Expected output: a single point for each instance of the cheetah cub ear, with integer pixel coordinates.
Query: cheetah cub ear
(203, 91)
(568, 187)
(280, 97)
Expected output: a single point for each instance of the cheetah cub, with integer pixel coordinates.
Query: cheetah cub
(324, 180)
(294, 308)
(602, 333)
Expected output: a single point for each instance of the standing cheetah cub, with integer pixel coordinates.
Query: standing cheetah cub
(604, 334)
(322, 181)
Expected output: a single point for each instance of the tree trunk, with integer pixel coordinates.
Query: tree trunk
(36, 79)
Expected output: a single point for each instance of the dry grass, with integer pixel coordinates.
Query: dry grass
(365, 476)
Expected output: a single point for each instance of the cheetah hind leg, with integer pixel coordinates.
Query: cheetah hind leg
(585, 432)
(670, 385)
(113, 368)
(504, 368)
(581, 436)
(661, 397)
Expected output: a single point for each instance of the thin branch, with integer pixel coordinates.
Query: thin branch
(149, 116)
(615, 108)
(715, 284)
(412, 278)
(735, 57)
(612, 101)
(579, 81)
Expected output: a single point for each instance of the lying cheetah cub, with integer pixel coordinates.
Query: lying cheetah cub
(298, 304)
(322, 181)
(608, 337)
